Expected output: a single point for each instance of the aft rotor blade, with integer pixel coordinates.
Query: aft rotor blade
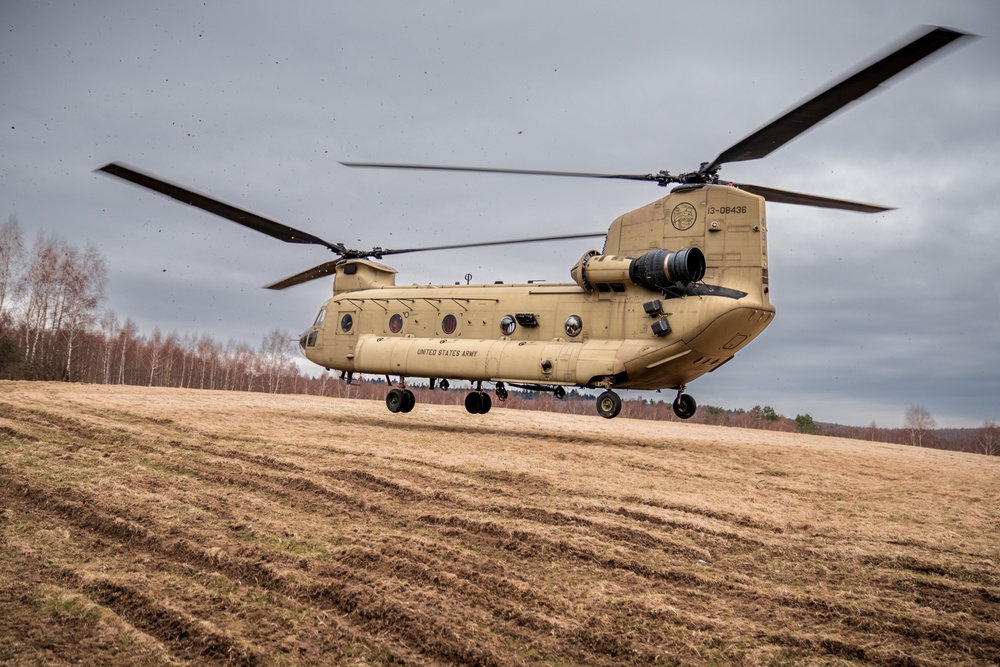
(399, 251)
(801, 199)
(488, 170)
(781, 130)
(277, 230)
(321, 271)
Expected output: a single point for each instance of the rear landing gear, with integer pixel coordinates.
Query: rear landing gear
(684, 405)
(609, 404)
(478, 402)
(400, 400)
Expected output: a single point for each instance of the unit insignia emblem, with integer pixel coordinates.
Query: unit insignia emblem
(683, 216)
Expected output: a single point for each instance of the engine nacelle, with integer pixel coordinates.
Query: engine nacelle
(656, 270)
(359, 274)
(660, 269)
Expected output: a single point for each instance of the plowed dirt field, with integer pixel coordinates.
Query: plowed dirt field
(167, 526)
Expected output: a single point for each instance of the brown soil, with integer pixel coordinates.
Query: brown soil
(165, 527)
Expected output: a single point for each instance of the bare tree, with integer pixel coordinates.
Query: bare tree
(275, 358)
(171, 350)
(82, 280)
(918, 422)
(127, 336)
(109, 334)
(155, 346)
(39, 287)
(11, 261)
(988, 439)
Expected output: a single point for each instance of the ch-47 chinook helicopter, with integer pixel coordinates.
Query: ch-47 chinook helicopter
(680, 287)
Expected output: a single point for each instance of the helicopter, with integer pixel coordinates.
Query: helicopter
(680, 286)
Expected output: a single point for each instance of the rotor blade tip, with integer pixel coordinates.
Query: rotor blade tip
(109, 167)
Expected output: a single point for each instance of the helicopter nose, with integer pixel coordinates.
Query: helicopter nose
(302, 341)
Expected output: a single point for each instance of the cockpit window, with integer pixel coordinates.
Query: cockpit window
(319, 318)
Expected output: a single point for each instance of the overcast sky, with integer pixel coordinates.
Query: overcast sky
(256, 102)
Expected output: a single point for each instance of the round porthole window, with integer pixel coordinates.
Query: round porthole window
(449, 324)
(574, 325)
(507, 325)
(396, 323)
(346, 322)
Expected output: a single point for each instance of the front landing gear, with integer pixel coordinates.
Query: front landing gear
(684, 405)
(609, 404)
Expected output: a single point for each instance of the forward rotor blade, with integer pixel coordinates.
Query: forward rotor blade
(321, 271)
(781, 130)
(277, 230)
(488, 170)
(789, 197)
(400, 251)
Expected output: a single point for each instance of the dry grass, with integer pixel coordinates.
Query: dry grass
(157, 526)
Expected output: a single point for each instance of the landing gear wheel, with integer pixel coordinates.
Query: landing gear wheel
(609, 404)
(395, 400)
(478, 403)
(409, 400)
(685, 406)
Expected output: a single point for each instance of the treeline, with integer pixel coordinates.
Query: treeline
(982, 440)
(53, 327)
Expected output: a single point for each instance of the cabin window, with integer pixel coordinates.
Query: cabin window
(574, 325)
(396, 323)
(319, 318)
(449, 324)
(311, 340)
(507, 325)
(346, 322)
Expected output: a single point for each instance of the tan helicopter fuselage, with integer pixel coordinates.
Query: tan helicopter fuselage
(605, 329)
